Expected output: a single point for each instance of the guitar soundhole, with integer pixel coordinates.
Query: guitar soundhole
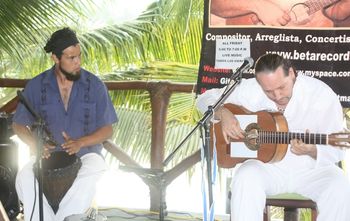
(251, 138)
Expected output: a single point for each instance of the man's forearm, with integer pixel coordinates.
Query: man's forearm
(98, 136)
(25, 134)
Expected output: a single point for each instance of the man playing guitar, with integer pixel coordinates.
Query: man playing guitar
(307, 104)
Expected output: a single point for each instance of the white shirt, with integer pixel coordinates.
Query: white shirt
(313, 106)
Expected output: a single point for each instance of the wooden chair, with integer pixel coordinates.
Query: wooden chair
(291, 203)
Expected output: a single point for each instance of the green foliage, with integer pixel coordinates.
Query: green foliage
(277, 213)
(26, 23)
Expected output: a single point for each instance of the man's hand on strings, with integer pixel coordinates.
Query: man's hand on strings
(279, 17)
(230, 125)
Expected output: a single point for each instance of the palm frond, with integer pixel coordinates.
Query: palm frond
(26, 23)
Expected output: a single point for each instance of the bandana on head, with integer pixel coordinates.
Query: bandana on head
(61, 40)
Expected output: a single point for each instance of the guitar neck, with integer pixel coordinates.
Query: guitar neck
(316, 5)
(286, 137)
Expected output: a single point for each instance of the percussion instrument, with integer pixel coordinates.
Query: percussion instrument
(58, 174)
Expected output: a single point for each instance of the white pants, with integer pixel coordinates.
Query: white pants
(253, 181)
(76, 201)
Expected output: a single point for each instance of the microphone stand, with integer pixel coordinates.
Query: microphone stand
(40, 125)
(205, 123)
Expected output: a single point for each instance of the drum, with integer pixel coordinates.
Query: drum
(58, 174)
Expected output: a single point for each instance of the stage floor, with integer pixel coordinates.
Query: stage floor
(118, 214)
(122, 214)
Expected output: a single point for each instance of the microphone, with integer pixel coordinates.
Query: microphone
(248, 63)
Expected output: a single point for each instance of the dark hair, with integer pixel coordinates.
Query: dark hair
(60, 40)
(270, 62)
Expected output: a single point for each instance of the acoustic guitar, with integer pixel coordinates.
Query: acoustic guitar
(303, 13)
(269, 137)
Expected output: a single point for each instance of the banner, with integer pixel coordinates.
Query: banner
(314, 35)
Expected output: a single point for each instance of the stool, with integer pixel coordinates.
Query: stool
(291, 202)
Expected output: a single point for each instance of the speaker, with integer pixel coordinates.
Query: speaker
(8, 171)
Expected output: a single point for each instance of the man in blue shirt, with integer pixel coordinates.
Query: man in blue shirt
(77, 111)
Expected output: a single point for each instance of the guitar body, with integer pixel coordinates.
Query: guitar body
(267, 121)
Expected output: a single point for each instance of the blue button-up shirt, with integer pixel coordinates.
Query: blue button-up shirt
(89, 107)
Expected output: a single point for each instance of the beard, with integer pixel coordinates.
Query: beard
(71, 76)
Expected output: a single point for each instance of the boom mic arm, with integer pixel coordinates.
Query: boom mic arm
(47, 136)
(248, 63)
